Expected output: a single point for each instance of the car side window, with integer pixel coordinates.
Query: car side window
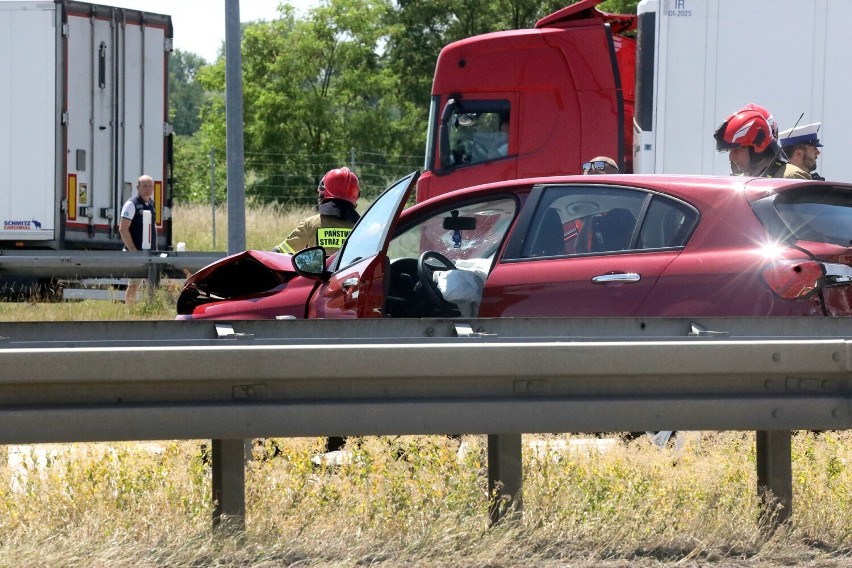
(583, 220)
(595, 220)
(668, 223)
(368, 236)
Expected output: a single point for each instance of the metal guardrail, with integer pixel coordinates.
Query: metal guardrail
(95, 264)
(102, 381)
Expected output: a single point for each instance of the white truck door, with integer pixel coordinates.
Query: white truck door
(117, 108)
(27, 121)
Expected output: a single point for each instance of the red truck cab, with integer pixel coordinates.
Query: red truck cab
(533, 102)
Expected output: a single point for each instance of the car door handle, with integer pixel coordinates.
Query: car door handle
(349, 283)
(620, 278)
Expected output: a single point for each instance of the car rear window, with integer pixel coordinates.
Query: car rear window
(813, 213)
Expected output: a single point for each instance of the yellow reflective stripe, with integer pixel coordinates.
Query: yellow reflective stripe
(332, 237)
(285, 248)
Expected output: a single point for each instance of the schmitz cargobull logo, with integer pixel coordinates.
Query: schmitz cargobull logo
(21, 225)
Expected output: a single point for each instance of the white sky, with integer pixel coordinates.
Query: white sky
(199, 25)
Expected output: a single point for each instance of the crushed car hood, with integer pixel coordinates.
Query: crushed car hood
(273, 260)
(246, 274)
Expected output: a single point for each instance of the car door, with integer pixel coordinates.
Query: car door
(356, 286)
(612, 244)
(448, 247)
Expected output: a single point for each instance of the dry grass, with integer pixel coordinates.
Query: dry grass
(266, 225)
(415, 502)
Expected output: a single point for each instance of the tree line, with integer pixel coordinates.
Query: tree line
(346, 84)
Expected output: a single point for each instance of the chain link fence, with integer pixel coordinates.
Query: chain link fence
(292, 179)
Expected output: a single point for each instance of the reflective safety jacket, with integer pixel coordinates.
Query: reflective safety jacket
(136, 221)
(328, 229)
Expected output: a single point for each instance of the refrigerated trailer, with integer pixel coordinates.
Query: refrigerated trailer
(700, 60)
(83, 113)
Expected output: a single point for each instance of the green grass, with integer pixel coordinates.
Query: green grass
(160, 306)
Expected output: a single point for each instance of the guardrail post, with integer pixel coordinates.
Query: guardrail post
(229, 484)
(154, 271)
(775, 473)
(505, 475)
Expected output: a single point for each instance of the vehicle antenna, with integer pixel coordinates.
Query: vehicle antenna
(781, 147)
(795, 125)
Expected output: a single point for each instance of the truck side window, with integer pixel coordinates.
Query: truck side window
(477, 131)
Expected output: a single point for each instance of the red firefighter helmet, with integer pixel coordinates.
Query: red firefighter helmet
(773, 124)
(745, 128)
(341, 183)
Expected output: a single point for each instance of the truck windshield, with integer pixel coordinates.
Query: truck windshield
(475, 131)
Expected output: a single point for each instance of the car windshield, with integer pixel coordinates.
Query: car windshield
(485, 225)
(368, 236)
(817, 214)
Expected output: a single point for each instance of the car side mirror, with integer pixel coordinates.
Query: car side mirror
(310, 262)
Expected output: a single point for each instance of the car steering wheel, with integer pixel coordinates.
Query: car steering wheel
(424, 274)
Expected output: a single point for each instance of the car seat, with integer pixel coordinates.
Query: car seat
(550, 238)
(612, 230)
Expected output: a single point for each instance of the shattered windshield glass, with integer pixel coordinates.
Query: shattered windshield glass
(472, 231)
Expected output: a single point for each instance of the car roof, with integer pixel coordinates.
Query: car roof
(685, 186)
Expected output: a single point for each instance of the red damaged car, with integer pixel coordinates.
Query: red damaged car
(574, 246)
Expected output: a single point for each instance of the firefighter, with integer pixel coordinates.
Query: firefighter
(338, 194)
(750, 136)
(801, 144)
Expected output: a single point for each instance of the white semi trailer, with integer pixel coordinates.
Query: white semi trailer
(83, 113)
(698, 61)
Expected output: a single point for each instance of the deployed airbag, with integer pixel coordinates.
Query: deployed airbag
(462, 288)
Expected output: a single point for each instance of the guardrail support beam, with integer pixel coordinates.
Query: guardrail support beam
(229, 485)
(154, 274)
(65, 382)
(505, 475)
(775, 473)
